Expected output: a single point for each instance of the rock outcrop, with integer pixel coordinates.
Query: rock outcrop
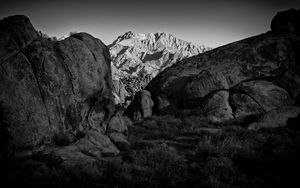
(234, 82)
(53, 92)
(142, 106)
(286, 22)
(276, 118)
(137, 58)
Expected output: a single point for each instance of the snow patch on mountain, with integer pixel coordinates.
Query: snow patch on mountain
(137, 58)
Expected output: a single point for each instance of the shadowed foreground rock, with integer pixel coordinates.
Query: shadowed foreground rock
(141, 107)
(55, 96)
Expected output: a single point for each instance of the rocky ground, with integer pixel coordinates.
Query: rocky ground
(226, 118)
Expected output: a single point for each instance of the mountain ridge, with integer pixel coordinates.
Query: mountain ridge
(137, 58)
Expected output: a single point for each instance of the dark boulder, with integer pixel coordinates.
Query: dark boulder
(51, 89)
(141, 107)
(287, 21)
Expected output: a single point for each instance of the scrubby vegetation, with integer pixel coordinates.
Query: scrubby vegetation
(234, 157)
(175, 152)
(155, 167)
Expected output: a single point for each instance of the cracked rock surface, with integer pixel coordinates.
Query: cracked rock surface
(53, 92)
(242, 79)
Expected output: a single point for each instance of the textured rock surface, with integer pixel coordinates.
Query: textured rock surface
(203, 85)
(142, 106)
(97, 145)
(265, 93)
(260, 74)
(276, 118)
(217, 108)
(118, 124)
(163, 105)
(137, 58)
(120, 140)
(51, 91)
(245, 106)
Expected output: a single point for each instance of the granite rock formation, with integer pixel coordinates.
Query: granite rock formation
(53, 93)
(237, 81)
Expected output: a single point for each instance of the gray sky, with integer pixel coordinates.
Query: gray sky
(210, 22)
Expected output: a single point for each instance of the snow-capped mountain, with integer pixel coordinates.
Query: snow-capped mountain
(137, 58)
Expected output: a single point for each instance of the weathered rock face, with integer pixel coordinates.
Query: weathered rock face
(246, 78)
(51, 88)
(137, 58)
(119, 91)
(217, 107)
(266, 94)
(202, 85)
(142, 106)
(118, 124)
(276, 118)
(96, 144)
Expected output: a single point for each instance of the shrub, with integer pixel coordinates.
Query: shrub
(166, 127)
(248, 158)
(160, 166)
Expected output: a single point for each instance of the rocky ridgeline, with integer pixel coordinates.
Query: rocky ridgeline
(137, 58)
(243, 81)
(56, 97)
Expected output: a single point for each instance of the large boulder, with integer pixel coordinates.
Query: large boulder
(287, 21)
(141, 107)
(50, 88)
(276, 118)
(96, 144)
(217, 108)
(202, 85)
(15, 32)
(120, 140)
(119, 124)
(163, 105)
(245, 106)
(259, 74)
(255, 97)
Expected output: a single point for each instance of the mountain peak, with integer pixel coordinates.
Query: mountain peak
(137, 57)
(128, 35)
(130, 38)
(152, 42)
(160, 33)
